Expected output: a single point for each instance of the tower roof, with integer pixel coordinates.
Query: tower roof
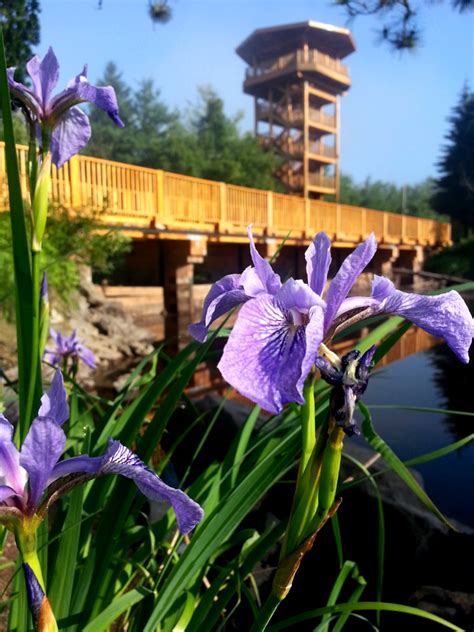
(274, 41)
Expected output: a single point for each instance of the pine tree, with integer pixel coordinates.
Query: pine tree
(454, 189)
(21, 31)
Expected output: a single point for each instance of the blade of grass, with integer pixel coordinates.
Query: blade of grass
(20, 243)
(277, 460)
(115, 609)
(417, 460)
(356, 593)
(380, 528)
(379, 445)
(363, 605)
(60, 590)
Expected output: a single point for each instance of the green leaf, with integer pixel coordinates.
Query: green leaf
(380, 527)
(239, 448)
(277, 458)
(363, 605)
(60, 589)
(379, 445)
(349, 569)
(116, 608)
(20, 242)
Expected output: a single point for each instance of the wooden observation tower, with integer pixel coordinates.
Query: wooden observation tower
(296, 77)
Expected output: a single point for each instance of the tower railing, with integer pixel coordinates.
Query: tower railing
(302, 56)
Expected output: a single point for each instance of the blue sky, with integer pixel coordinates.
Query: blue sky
(393, 118)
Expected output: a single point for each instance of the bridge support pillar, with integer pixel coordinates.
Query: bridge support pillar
(179, 259)
(269, 248)
(411, 259)
(384, 259)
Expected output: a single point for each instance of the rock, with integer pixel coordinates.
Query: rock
(105, 328)
(448, 604)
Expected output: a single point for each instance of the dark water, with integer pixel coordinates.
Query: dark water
(434, 379)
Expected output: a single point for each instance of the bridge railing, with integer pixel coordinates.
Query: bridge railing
(138, 197)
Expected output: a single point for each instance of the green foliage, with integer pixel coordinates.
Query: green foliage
(400, 28)
(454, 189)
(205, 143)
(387, 196)
(19, 128)
(71, 243)
(458, 260)
(21, 31)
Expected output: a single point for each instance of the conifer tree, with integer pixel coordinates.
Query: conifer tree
(21, 32)
(454, 189)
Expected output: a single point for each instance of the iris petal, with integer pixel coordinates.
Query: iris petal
(120, 460)
(264, 355)
(40, 452)
(346, 276)
(445, 315)
(70, 134)
(318, 260)
(270, 280)
(12, 475)
(222, 297)
(54, 402)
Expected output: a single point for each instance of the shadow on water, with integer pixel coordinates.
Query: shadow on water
(432, 379)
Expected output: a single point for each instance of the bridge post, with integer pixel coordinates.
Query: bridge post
(75, 182)
(384, 259)
(160, 213)
(178, 276)
(411, 258)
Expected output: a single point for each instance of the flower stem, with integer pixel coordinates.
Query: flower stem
(34, 373)
(331, 464)
(308, 426)
(266, 613)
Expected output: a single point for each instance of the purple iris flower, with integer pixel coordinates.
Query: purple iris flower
(68, 347)
(25, 474)
(234, 289)
(276, 338)
(59, 115)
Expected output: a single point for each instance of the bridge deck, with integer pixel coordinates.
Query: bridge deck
(157, 203)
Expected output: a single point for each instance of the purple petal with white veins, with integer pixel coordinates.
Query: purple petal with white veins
(54, 402)
(346, 276)
(222, 297)
(120, 460)
(264, 355)
(318, 260)
(79, 91)
(314, 333)
(252, 283)
(44, 75)
(446, 315)
(12, 475)
(40, 452)
(270, 280)
(70, 134)
(297, 295)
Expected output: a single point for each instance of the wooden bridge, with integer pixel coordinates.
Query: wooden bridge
(188, 232)
(152, 202)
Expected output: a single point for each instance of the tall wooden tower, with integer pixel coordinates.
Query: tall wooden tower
(296, 77)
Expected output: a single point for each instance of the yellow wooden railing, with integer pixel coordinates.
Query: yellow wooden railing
(137, 198)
